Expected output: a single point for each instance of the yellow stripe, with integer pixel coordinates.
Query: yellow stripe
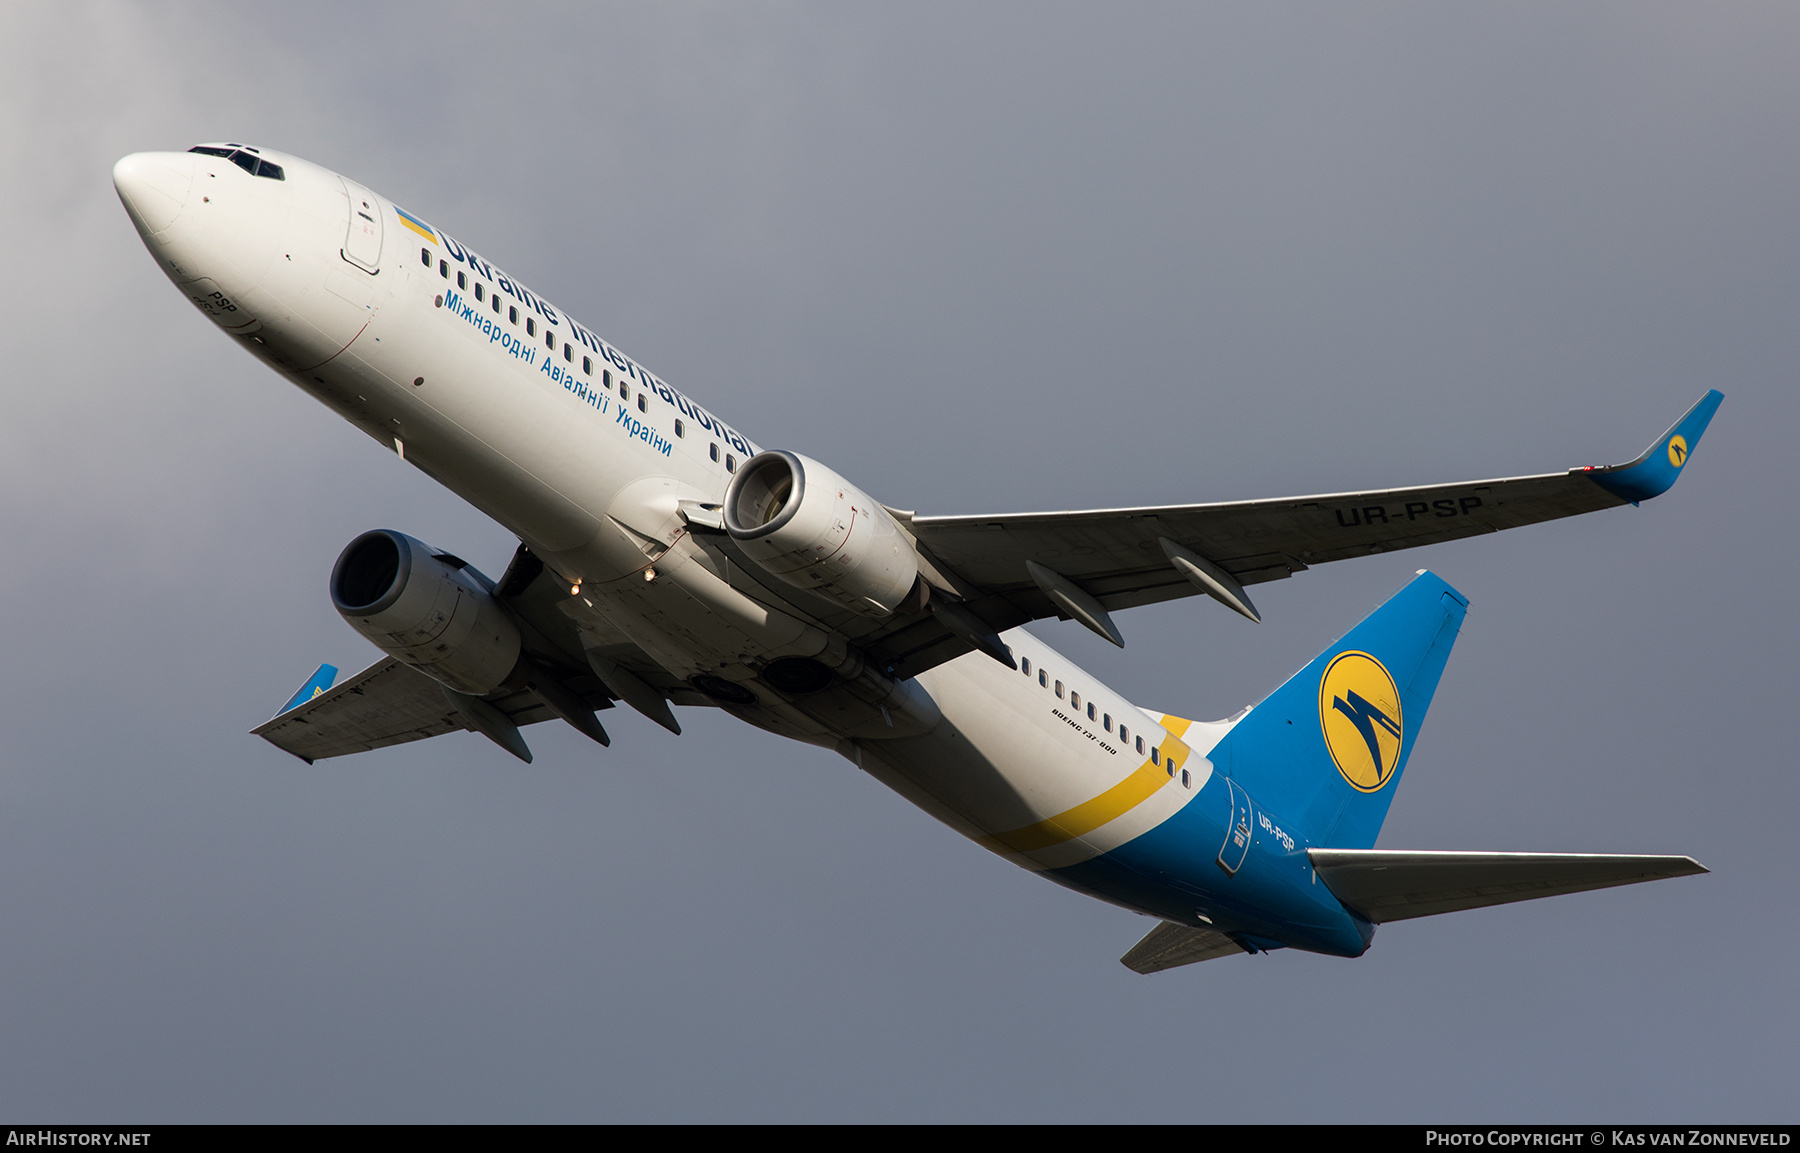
(425, 232)
(1084, 818)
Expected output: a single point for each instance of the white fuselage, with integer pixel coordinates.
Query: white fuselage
(588, 458)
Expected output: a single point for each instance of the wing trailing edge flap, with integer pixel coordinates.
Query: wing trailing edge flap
(1395, 885)
(1170, 946)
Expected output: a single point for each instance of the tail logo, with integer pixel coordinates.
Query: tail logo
(1359, 710)
(1678, 450)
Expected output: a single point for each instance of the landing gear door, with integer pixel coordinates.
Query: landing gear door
(362, 244)
(1237, 831)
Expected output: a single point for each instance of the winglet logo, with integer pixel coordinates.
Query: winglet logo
(1359, 710)
(1678, 450)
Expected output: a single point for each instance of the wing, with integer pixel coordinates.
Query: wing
(387, 703)
(1169, 945)
(390, 703)
(1009, 569)
(1388, 885)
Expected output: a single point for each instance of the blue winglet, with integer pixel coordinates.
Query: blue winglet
(1655, 472)
(315, 684)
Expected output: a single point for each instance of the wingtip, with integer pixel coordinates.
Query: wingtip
(1657, 469)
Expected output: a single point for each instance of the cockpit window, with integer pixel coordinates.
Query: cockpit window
(254, 165)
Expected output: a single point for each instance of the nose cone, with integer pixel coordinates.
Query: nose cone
(154, 187)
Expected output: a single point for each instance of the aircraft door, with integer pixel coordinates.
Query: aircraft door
(362, 244)
(1237, 831)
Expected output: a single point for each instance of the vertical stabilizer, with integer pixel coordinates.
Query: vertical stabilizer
(1326, 750)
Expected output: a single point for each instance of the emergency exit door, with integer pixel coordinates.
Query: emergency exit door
(362, 243)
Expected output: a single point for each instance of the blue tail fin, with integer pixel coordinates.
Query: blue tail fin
(1325, 751)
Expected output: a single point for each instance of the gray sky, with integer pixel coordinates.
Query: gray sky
(980, 257)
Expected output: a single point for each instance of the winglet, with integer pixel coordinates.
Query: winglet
(315, 684)
(1655, 472)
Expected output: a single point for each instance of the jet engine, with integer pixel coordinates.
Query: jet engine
(812, 529)
(428, 609)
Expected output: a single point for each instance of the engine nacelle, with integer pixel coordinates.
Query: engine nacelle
(811, 528)
(426, 610)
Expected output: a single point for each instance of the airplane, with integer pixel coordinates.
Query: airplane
(667, 559)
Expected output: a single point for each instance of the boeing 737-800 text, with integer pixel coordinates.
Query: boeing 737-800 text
(665, 559)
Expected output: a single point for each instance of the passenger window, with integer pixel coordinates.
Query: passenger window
(730, 463)
(512, 314)
(462, 280)
(1106, 722)
(1186, 783)
(480, 292)
(624, 389)
(444, 269)
(1043, 678)
(530, 326)
(1074, 700)
(606, 379)
(1090, 710)
(1171, 763)
(680, 429)
(1124, 735)
(1153, 756)
(587, 366)
(425, 257)
(496, 301)
(643, 405)
(715, 452)
(568, 353)
(1140, 745)
(1059, 690)
(1025, 666)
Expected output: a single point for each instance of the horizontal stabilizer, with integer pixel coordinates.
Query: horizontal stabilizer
(1390, 885)
(1170, 945)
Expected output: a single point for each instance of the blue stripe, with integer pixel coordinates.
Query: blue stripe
(1172, 872)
